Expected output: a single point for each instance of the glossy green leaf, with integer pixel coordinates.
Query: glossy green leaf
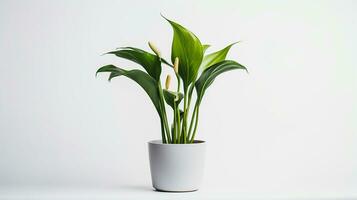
(208, 76)
(150, 62)
(148, 83)
(215, 57)
(188, 48)
(171, 97)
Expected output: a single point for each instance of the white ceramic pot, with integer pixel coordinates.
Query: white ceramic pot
(176, 167)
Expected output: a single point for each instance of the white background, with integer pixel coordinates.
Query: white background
(288, 128)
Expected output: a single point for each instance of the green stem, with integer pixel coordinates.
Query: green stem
(184, 126)
(162, 131)
(192, 120)
(163, 110)
(187, 102)
(178, 83)
(190, 94)
(188, 109)
(174, 137)
(177, 113)
(167, 127)
(178, 125)
(196, 123)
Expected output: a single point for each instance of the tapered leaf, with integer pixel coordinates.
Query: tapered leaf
(215, 57)
(166, 63)
(107, 68)
(150, 62)
(208, 76)
(148, 83)
(205, 47)
(171, 97)
(188, 48)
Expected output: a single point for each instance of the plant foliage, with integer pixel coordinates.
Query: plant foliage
(196, 70)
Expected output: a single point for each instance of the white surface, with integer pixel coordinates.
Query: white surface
(289, 127)
(142, 192)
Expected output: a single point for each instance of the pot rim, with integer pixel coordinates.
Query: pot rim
(159, 142)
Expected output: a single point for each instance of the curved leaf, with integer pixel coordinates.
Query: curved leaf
(215, 57)
(148, 83)
(207, 77)
(150, 62)
(107, 68)
(171, 97)
(188, 48)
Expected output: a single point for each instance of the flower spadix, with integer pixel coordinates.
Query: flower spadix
(154, 49)
(168, 81)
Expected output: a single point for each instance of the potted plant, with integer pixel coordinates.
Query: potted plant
(177, 160)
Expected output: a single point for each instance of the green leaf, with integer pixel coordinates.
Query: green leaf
(166, 63)
(150, 62)
(107, 68)
(215, 57)
(205, 47)
(188, 48)
(208, 76)
(171, 97)
(148, 83)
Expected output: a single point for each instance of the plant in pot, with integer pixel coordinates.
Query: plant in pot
(177, 160)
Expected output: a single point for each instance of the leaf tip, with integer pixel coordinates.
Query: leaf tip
(96, 73)
(162, 15)
(239, 41)
(229, 46)
(246, 70)
(110, 79)
(171, 22)
(109, 52)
